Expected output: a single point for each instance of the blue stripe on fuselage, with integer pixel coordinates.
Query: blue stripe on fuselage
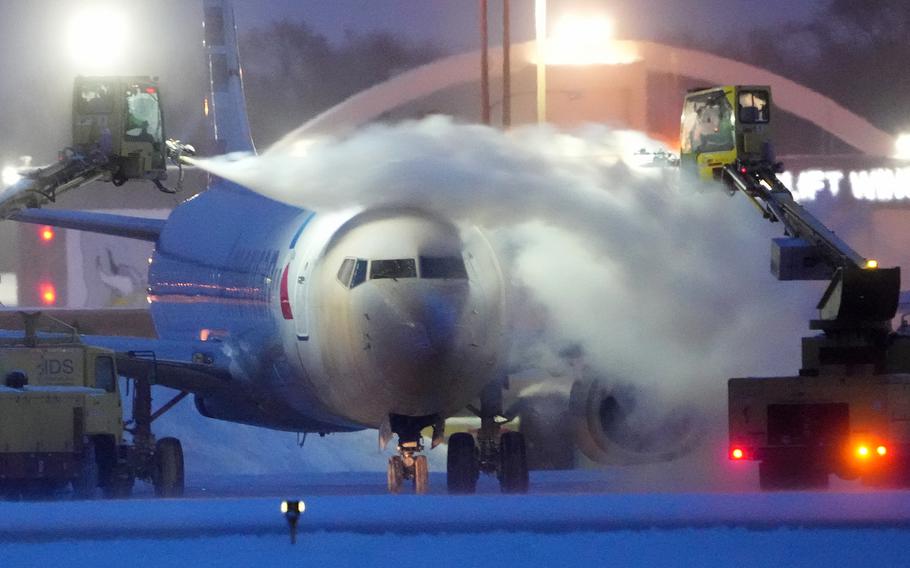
(300, 230)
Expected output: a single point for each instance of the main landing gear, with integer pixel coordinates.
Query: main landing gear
(494, 452)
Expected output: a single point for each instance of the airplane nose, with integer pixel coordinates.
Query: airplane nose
(417, 321)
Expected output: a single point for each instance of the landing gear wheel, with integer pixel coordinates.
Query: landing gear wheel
(513, 463)
(461, 464)
(395, 474)
(781, 474)
(85, 485)
(168, 479)
(421, 475)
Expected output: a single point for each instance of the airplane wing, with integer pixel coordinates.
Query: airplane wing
(200, 367)
(134, 322)
(195, 366)
(140, 228)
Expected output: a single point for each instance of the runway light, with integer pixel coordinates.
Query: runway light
(48, 294)
(292, 509)
(47, 234)
(871, 263)
(881, 450)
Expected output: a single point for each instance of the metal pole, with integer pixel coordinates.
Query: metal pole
(506, 64)
(484, 64)
(540, 21)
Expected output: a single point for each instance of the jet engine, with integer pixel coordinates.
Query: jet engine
(610, 424)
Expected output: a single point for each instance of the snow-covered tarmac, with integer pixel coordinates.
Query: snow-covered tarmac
(561, 523)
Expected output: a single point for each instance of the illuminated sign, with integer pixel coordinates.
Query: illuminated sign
(879, 184)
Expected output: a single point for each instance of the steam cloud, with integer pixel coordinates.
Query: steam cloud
(665, 287)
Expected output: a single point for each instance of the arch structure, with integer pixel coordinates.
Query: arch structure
(713, 70)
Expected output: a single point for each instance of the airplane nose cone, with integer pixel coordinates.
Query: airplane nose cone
(416, 325)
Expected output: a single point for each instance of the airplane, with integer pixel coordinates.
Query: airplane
(389, 318)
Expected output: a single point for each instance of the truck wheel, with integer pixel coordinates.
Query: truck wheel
(168, 479)
(461, 464)
(513, 463)
(85, 485)
(776, 474)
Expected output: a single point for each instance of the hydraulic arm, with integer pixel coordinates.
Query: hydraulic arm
(118, 135)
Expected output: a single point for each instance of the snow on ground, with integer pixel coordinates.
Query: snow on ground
(659, 548)
(545, 528)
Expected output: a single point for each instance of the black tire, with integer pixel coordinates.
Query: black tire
(790, 474)
(85, 485)
(513, 463)
(395, 474)
(421, 475)
(461, 464)
(168, 479)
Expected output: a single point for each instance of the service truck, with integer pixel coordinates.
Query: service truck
(62, 422)
(847, 410)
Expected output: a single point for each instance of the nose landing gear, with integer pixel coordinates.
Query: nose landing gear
(409, 464)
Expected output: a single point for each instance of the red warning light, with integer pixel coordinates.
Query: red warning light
(46, 234)
(737, 454)
(48, 294)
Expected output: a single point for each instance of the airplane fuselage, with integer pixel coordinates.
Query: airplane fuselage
(334, 321)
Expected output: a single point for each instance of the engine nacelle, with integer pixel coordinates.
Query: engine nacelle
(616, 425)
(607, 424)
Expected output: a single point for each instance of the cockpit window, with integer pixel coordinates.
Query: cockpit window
(399, 268)
(360, 273)
(442, 267)
(353, 272)
(345, 272)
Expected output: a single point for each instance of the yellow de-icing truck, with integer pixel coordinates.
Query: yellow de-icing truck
(61, 423)
(847, 411)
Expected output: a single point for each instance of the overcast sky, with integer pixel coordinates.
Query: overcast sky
(453, 23)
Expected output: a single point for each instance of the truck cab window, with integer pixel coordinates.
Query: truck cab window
(104, 374)
(95, 98)
(753, 107)
(143, 121)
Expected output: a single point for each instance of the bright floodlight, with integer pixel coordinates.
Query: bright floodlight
(585, 40)
(902, 147)
(96, 37)
(10, 176)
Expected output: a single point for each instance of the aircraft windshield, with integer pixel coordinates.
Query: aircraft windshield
(353, 272)
(442, 267)
(399, 268)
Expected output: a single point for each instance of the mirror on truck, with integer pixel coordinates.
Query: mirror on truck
(118, 121)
